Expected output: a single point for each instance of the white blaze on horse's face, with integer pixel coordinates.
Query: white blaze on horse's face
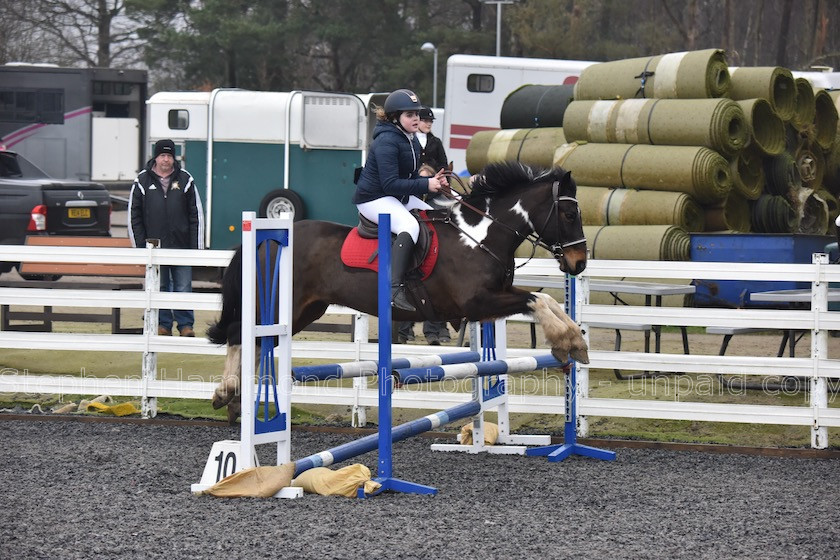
(470, 235)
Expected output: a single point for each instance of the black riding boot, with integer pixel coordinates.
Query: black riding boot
(400, 258)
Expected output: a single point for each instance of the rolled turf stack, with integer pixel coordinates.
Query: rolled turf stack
(799, 170)
(681, 138)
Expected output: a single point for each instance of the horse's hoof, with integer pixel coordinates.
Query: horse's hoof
(219, 401)
(580, 355)
(234, 410)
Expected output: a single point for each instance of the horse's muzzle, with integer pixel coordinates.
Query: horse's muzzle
(572, 260)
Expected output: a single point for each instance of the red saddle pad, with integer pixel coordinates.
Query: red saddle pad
(356, 252)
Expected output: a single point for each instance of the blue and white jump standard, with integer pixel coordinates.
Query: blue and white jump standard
(385, 468)
(266, 406)
(570, 446)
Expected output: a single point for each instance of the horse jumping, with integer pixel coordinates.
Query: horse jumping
(478, 234)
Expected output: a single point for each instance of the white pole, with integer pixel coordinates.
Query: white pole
(498, 29)
(434, 82)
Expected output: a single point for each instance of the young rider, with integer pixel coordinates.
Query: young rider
(390, 184)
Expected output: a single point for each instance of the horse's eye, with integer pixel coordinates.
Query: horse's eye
(571, 216)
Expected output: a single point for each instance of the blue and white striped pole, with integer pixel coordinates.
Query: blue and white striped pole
(367, 368)
(399, 433)
(478, 369)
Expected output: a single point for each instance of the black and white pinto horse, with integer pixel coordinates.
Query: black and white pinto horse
(473, 278)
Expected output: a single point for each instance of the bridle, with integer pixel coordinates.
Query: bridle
(535, 237)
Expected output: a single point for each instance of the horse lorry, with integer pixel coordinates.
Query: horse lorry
(82, 124)
(266, 151)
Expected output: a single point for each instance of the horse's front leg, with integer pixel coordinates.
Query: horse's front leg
(561, 333)
(228, 388)
(570, 331)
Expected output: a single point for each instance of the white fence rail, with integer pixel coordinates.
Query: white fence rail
(815, 367)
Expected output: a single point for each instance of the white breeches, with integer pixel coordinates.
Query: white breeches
(401, 218)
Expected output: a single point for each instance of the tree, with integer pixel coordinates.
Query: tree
(93, 33)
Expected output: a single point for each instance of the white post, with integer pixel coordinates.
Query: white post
(819, 351)
(581, 299)
(148, 406)
(248, 348)
(358, 415)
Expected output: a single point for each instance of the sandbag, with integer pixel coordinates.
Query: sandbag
(697, 171)
(536, 106)
(718, 124)
(681, 75)
(773, 83)
(345, 481)
(603, 206)
(256, 482)
(491, 434)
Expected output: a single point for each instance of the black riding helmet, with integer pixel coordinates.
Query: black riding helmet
(426, 114)
(399, 101)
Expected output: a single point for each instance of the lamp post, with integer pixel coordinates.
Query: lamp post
(429, 47)
(498, 4)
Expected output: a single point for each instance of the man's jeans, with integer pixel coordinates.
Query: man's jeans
(176, 279)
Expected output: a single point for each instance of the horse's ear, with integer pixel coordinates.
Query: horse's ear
(567, 183)
(450, 166)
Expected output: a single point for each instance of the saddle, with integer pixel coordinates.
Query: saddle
(361, 250)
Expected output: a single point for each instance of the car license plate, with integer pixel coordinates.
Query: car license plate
(78, 212)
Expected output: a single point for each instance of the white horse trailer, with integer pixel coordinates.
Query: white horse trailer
(476, 88)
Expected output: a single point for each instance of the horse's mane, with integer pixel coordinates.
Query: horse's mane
(500, 177)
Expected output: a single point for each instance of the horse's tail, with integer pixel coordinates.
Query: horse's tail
(227, 328)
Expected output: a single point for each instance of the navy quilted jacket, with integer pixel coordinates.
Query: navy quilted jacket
(391, 167)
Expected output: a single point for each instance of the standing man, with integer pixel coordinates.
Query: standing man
(164, 205)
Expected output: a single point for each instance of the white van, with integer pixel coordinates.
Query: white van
(476, 88)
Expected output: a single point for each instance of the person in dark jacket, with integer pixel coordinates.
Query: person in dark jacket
(431, 147)
(433, 155)
(165, 205)
(389, 182)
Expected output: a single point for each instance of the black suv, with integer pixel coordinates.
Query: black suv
(33, 203)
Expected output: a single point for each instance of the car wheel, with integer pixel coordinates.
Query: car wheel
(282, 200)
